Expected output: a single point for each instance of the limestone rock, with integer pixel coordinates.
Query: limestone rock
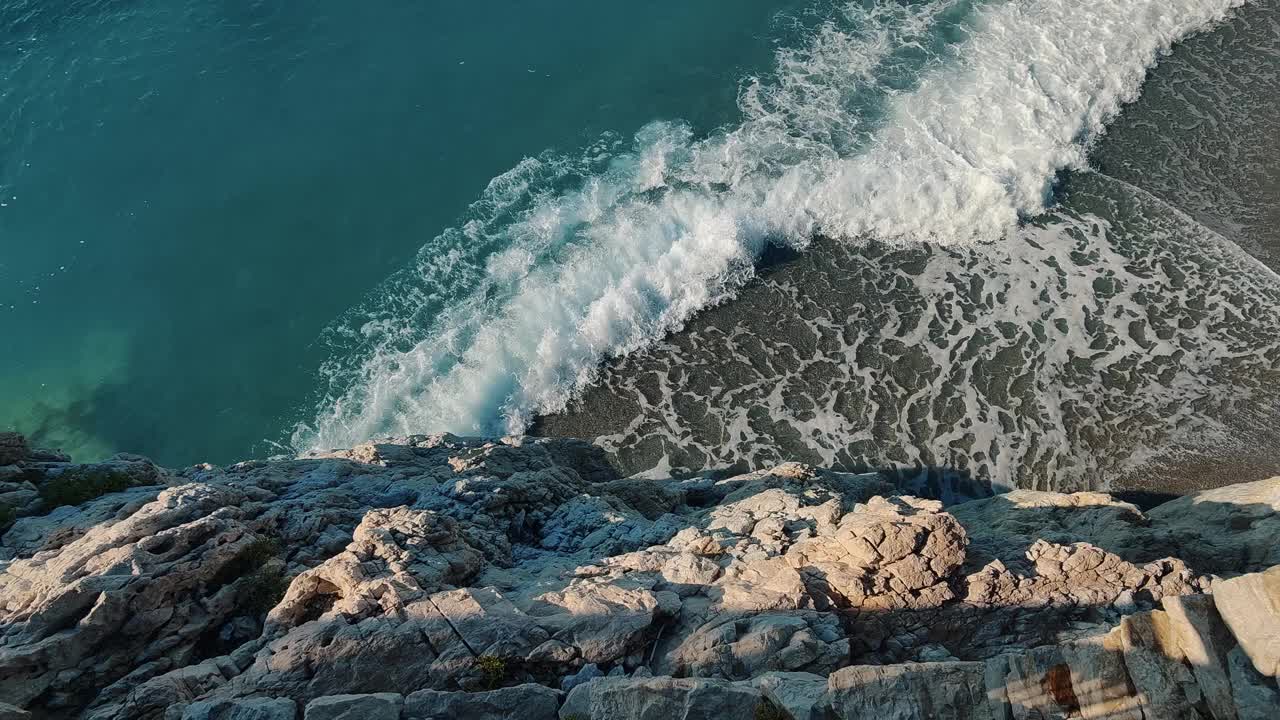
(396, 555)
(1227, 529)
(744, 647)
(1250, 606)
(800, 694)
(661, 697)
(1155, 661)
(377, 706)
(1255, 697)
(523, 702)
(124, 593)
(1204, 642)
(946, 691)
(246, 709)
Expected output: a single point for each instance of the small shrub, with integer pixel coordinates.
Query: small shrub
(494, 670)
(262, 590)
(766, 710)
(75, 487)
(264, 584)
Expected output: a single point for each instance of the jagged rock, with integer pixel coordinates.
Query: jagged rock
(946, 691)
(11, 712)
(523, 702)
(741, 648)
(886, 554)
(125, 593)
(589, 672)
(247, 709)
(661, 697)
(376, 706)
(1004, 527)
(604, 621)
(1250, 606)
(396, 555)
(178, 687)
(434, 565)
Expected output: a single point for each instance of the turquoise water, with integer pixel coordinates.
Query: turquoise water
(192, 191)
(240, 228)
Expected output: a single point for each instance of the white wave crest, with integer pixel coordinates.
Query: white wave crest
(936, 120)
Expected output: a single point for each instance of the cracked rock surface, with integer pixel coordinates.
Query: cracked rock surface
(441, 577)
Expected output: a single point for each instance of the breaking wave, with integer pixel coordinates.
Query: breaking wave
(939, 121)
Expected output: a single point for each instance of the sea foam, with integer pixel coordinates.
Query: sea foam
(942, 121)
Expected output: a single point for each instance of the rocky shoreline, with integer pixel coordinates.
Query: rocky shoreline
(437, 577)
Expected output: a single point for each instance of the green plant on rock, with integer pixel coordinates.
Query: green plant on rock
(262, 590)
(75, 487)
(766, 710)
(262, 581)
(493, 668)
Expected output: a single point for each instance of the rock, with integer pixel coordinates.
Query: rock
(800, 694)
(661, 697)
(523, 702)
(743, 647)
(396, 555)
(603, 620)
(246, 709)
(1086, 678)
(946, 691)
(1254, 696)
(1004, 527)
(11, 712)
(1153, 656)
(1227, 529)
(13, 448)
(124, 593)
(885, 554)
(589, 672)
(177, 687)
(1204, 642)
(432, 565)
(1250, 606)
(376, 706)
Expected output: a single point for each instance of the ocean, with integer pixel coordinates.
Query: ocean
(1024, 243)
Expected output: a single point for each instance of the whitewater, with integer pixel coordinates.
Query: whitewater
(942, 122)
